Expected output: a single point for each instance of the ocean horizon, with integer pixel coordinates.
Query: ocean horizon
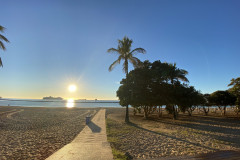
(57, 103)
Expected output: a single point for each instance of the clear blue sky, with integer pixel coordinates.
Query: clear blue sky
(60, 42)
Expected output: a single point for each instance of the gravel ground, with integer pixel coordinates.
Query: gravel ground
(37, 132)
(188, 137)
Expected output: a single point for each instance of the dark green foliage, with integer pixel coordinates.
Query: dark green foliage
(123, 95)
(235, 83)
(206, 104)
(158, 84)
(222, 99)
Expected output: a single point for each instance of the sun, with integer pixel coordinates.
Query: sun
(72, 88)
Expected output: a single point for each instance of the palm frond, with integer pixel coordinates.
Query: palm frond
(2, 45)
(138, 50)
(1, 65)
(113, 50)
(135, 61)
(3, 38)
(183, 71)
(125, 45)
(124, 50)
(114, 63)
(232, 82)
(183, 78)
(181, 75)
(2, 28)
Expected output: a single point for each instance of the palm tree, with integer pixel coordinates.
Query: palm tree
(176, 74)
(125, 53)
(1, 43)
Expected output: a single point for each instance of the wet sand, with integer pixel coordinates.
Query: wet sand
(37, 132)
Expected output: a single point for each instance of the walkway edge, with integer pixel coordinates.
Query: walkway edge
(90, 144)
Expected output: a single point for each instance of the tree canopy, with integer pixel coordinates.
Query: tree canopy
(222, 99)
(154, 85)
(235, 83)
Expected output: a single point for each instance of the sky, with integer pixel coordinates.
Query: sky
(60, 42)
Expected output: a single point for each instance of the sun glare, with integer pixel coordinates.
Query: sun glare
(72, 88)
(70, 103)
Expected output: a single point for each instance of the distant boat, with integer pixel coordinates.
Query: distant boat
(53, 98)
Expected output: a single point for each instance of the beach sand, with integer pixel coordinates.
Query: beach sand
(185, 138)
(37, 132)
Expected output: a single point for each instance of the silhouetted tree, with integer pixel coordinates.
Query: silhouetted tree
(222, 99)
(206, 104)
(125, 53)
(175, 75)
(189, 99)
(235, 83)
(150, 86)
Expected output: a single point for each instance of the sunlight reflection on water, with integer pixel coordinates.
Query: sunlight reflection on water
(70, 103)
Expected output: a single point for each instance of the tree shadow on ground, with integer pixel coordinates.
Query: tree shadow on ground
(220, 155)
(208, 124)
(95, 128)
(172, 137)
(215, 127)
(214, 120)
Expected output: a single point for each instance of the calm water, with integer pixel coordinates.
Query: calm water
(58, 103)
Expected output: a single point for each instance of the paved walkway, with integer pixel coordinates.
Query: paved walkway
(90, 144)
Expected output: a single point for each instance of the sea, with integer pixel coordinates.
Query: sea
(63, 103)
(58, 103)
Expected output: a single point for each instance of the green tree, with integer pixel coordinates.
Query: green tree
(149, 87)
(235, 83)
(2, 46)
(222, 99)
(176, 75)
(126, 54)
(196, 99)
(138, 92)
(206, 104)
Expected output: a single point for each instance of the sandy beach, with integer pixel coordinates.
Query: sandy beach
(37, 132)
(186, 138)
